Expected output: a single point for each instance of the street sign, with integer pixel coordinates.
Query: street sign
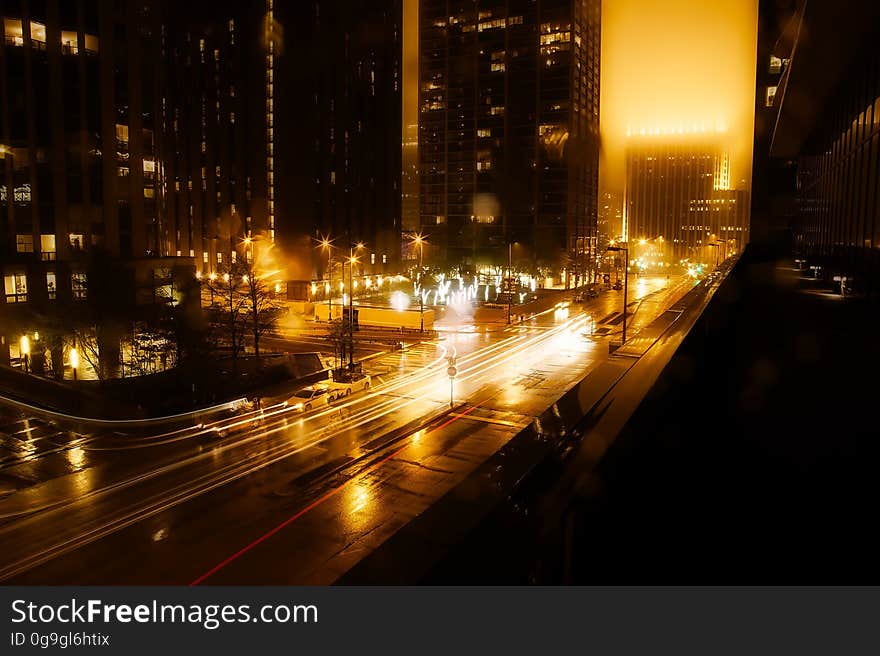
(451, 371)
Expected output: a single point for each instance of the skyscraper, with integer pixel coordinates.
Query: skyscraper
(508, 128)
(80, 132)
(337, 128)
(678, 192)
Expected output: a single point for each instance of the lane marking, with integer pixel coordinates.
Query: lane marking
(489, 420)
(317, 502)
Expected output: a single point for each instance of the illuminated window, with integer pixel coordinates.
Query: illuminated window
(91, 44)
(122, 171)
(38, 34)
(234, 257)
(15, 284)
(149, 166)
(24, 243)
(775, 65)
(149, 192)
(384, 258)
(76, 241)
(219, 258)
(51, 288)
(497, 111)
(69, 43)
(484, 132)
(121, 133)
(79, 285)
(47, 247)
(771, 94)
(491, 24)
(13, 32)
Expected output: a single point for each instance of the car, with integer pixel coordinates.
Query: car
(618, 285)
(346, 384)
(309, 398)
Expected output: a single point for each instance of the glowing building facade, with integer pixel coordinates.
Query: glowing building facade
(678, 193)
(508, 128)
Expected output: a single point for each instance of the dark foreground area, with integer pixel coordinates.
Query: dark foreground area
(754, 459)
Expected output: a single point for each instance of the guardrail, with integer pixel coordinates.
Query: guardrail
(85, 423)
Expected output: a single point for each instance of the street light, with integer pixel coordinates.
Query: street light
(625, 284)
(420, 241)
(352, 259)
(74, 361)
(326, 243)
(509, 282)
(25, 346)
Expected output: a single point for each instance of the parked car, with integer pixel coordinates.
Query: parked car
(344, 385)
(309, 398)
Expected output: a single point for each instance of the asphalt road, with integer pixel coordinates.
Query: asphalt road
(284, 497)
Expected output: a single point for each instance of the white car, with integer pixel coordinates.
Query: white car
(349, 384)
(309, 397)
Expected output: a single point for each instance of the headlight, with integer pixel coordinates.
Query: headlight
(298, 406)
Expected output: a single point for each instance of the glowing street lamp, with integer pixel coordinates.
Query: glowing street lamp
(420, 242)
(74, 361)
(352, 259)
(25, 347)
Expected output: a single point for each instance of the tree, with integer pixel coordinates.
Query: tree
(260, 305)
(243, 303)
(337, 334)
(225, 313)
(88, 344)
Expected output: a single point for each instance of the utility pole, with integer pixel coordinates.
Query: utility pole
(508, 283)
(420, 243)
(625, 250)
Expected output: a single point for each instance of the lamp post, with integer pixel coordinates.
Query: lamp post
(74, 361)
(419, 241)
(325, 243)
(625, 250)
(25, 346)
(508, 282)
(352, 259)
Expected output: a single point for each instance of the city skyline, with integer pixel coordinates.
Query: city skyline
(429, 292)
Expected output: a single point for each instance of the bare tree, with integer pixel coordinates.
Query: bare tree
(227, 313)
(260, 305)
(88, 345)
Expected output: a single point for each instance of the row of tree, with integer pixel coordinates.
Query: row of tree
(186, 322)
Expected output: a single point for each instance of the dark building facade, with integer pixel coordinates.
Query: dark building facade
(176, 140)
(828, 121)
(80, 133)
(337, 132)
(678, 193)
(508, 128)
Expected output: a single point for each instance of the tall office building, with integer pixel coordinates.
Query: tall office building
(80, 131)
(337, 129)
(678, 193)
(508, 128)
(174, 139)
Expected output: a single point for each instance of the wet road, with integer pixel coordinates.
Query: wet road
(284, 497)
